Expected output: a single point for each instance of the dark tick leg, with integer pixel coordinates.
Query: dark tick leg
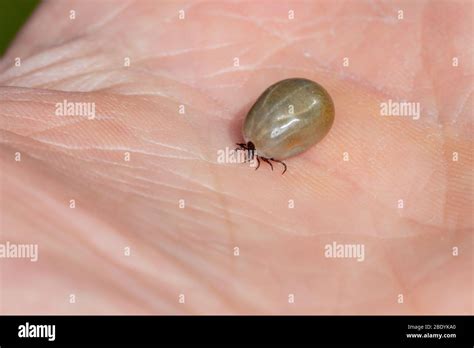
(241, 147)
(266, 160)
(258, 161)
(278, 161)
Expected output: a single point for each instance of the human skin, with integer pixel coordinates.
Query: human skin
(173, 157)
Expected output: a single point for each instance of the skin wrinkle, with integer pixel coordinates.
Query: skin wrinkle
(251, 20)
(51, 201)
(188, 272)
(441, 261)
(64, 125)
(425, 57)
(143, 96)
(308, 182)
(211, 189)
(99, 80)
(74, 77)
(447, 198)
(252, 67)
(188, 106)
(246, 203)
(25, 117)
(55, 127)
(274, 67)
(401, 287)
(197, 156)
(258, 62)
(91, 72)
(80, 119)
(187, 51)
(132, 274)
(438, 263)
(230, 85)
(109, 149)
(42, 159)
(462, 106)
(193, 207)
(219, 106)
(144, 195)
(32, 60)
(160, 183)
(125, 292)
(173, 213)
(119, 10)
(346, 19)
(355, 184)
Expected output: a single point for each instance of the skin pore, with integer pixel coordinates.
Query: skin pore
(182, 214)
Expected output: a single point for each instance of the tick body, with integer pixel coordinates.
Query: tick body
(287, 119)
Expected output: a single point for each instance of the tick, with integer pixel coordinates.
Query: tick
(287, 119)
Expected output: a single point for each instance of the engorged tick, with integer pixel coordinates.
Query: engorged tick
(287, 119)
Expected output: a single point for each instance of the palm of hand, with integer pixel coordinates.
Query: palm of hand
(144, 175)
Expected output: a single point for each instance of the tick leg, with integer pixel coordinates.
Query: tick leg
(278, 161)
(241, 147)
(266, 160)
(258, 161)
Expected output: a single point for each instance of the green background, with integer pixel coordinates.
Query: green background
(13, 14)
